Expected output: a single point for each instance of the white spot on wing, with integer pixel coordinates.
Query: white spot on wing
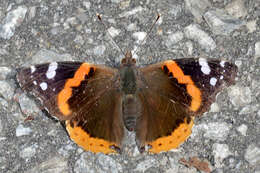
(43, 86)
(213, 81)
(221, 77)
(34, 82)
(222, 63)
(50, 74)
(52, 70)
(204, 66)
(33, 69)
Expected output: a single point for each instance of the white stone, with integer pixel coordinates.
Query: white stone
(5, 72)
(28, 152)
(146, 164)
(197, 7)
(248, 109)
(13, 19)
(239, 96)
(189, 47)
(257, 49)
(131, 27)
(213, 81)
(139, 36)
(174, 38)
(99, 50)
(27, 105)
(132, 12)
(86, 4)
(220, 151)
(251, 26)
(214, 107)
(215, 131)
(55, 164)
(22, 131)
(252, 155)
(194, 32)
(222, 23)
(43, 86)
(242, 129)
(108, 164)
(1, 125)
(113, 31)
(32, 12)
(85, 163)
(6, 89)
(237, 8)
(44, 56)
(238, 63)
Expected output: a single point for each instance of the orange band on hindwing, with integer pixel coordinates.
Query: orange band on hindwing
(66, 93)
(192, 89)
(177, 137)
(88, 143)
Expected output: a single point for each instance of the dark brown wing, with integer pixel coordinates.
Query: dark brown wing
(85, 96)
(172, 93)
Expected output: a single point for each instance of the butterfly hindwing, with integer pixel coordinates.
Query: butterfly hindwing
(164, 124)
(85, 96)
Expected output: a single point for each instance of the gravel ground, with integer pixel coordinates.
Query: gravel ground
(227, 138)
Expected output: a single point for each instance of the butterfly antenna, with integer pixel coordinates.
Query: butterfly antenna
(148, 33)
(110, 36)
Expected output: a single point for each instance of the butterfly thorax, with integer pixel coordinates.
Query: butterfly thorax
(128, 74)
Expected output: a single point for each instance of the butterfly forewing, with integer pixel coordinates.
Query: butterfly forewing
(42, 81)
(84, 95)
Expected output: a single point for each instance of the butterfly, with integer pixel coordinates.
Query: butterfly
(159, 102)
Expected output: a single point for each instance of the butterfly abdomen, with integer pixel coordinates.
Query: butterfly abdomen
(131, 111)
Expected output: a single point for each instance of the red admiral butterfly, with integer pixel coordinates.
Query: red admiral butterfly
(158, 102)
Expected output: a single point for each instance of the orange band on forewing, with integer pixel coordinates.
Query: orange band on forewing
(192, 89)
(66, 92)
(177, 137)
(88, 143)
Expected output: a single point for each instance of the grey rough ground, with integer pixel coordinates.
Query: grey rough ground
(228, 137)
